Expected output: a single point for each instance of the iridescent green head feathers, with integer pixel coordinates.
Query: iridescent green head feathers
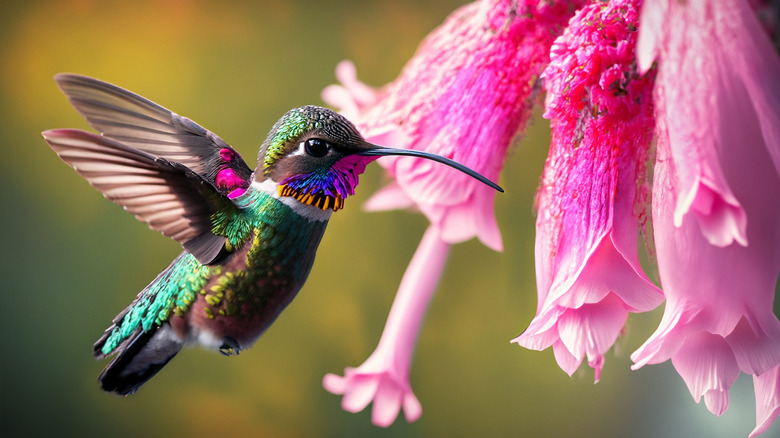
(300, 124)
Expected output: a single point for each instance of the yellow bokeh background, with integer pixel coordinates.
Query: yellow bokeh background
(71, 260)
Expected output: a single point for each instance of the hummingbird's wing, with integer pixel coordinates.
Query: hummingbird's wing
(142, 124)
(168, 196)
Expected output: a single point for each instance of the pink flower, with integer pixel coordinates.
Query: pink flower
(465, 94)
(591, 200)
(715, 198)
(718, 319)
(384, 376)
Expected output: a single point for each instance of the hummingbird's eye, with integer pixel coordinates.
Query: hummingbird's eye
(317, 147)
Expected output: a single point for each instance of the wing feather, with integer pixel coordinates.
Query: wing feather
(168, 196)
(145, 126)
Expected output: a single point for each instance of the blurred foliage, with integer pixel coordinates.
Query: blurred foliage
(71, 260)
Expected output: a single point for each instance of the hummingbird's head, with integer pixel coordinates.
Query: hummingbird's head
(316, 155)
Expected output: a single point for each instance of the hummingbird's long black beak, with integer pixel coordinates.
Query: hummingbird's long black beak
(380, 151)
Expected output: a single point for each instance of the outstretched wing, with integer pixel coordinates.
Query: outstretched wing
(167, 195)
(142, 124)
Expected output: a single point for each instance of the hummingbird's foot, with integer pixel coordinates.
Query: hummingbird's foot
(229, 347)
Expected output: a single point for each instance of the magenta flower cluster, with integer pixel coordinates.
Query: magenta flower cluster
(592, 191)
(698, 80)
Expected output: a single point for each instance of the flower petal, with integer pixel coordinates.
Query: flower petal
(592, 329)
(756, 349)
(542, 332)
(567, 361)
(666, 340)
(412, 407)
(625, 276)
(389, 197)
(767, 388)
(707, 365)
(717, 211)
(335, 384)
(387, 404)
(362, 389)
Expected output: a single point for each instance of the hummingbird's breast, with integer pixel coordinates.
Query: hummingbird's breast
(257, 281)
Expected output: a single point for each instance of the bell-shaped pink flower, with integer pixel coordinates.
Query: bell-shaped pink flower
(718, 143)
(591, 200)
(718, 319)
(466, 94)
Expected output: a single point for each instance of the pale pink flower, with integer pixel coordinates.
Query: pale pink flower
(384, 376)
(592, 195)
(465, 95)
(718, 319)
(718, 140)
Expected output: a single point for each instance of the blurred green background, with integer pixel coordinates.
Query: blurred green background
(71, 260)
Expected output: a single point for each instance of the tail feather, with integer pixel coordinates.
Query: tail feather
(142, 356)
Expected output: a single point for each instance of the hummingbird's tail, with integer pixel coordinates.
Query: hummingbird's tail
(139, 358)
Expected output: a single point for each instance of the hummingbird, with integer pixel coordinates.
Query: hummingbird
(249, 237)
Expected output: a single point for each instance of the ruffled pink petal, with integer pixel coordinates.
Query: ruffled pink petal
(542, 333)
(666, 340)
(584, 249)
(456, 222)
(431, 183)
(707, 365)
(339, 97)
(719, 214)
(363, 95)
(386, 391)
(592, 329)
(412, 407)
(390, 398)
(756, 349)
(625, 276)
(575, 333)
(767, 388)
(336, 384)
